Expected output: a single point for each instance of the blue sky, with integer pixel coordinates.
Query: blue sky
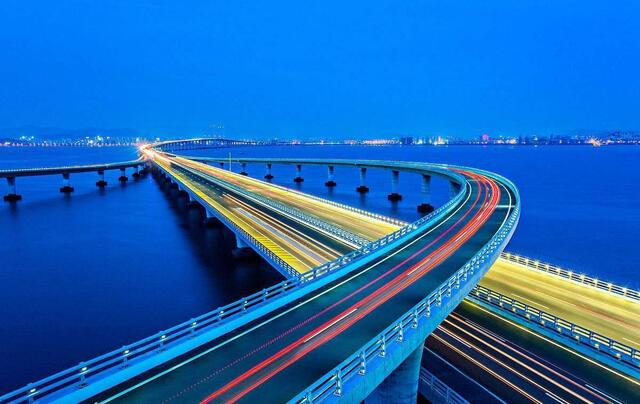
(321, 69)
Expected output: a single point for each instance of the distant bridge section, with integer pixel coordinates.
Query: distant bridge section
(66, 171)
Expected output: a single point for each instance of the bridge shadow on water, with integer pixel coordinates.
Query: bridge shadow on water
(213, 247)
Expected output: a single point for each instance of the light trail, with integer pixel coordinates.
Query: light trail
(372, 301)
(516, 350)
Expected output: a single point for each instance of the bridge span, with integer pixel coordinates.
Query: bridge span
(66, 171)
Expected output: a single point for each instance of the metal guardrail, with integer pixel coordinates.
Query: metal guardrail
(356, 365)
(78, 375)
(297, 213)
(562, 327)
(441, 389)
(573, 276)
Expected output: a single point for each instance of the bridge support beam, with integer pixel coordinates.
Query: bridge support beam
(298, 178)
(244, 169)
(123, 175)
(394, 196)
(425, 191)
(363, 188)
(66, 184)
(330, 181)
(12, 195)
(401, 386)
(136, 172)
(268, 175)
(101, 182)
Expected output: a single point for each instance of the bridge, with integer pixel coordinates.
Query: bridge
(425, 268)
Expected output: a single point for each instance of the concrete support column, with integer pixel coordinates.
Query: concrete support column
(401, 386)
(123, 175)
(330, 181)
(136, 172)
(66, 184)
(298, 178)
(425, 194)
(210, 219)
(363, 189)
(12, 194)
(268, 175)
(395, 178)
(101, 182)
(240, 243)
(244, 169)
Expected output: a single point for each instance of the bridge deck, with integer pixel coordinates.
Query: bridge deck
(276, 357)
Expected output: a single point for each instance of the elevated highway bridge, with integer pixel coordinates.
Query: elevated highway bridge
(335, 331)
(362, 292)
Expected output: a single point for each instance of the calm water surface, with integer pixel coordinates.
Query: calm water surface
(86, 273)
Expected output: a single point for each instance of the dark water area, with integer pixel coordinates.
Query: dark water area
(87, 273)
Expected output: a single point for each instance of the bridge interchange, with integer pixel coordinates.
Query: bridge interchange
(326, 319)
(308, 338)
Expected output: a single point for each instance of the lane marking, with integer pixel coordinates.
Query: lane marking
(330, 325)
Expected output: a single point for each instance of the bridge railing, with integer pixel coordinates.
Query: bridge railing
(79, 375)
(356, 365)
(439, 388)
(558, 325)
(573, 276)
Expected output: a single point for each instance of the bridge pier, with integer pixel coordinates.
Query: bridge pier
(363, 188)
(394, 196)
(12, 195)
(298, 178)
(66, 184)
(136, 172)
(211, 220)
(123, 177)
(268, 175)
(330, 181)
(101, 182)
(425, 191)
(244, 169)
(401, 386)
(242, 248)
